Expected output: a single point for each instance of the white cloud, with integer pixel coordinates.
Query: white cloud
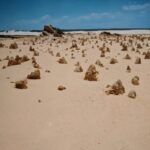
(46, 19)
(95, 19)
(43, 19)
(68, 21)
(137, 7)
(96, 16)
(65, 17)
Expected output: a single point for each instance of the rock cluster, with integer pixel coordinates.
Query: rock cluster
(127, 56)
(78, 68)
(21, 84)
(1, 45)
(13, 46)
(62, 61)
(128, 69)
(138, 60)
(36, 53)
(113, 61)
(147, 55)
(116, 88)
(91, 73)
(17, 60)
(35, 64)
(31, 49)
(135, 80)
(34, 75)
(132, 94)
(124, 48)
(74, 45)
(58, 54)
(98, 62)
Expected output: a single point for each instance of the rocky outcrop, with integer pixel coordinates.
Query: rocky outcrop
(50, 30)
(106, 33)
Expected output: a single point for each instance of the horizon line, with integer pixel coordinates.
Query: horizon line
(79, 29)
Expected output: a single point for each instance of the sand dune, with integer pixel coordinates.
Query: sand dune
(64, 104)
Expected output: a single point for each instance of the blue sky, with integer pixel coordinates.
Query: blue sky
(73, 14)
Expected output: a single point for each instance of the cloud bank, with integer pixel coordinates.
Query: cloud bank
(137, 7)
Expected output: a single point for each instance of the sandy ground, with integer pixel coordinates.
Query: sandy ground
(126, 32)
(82, 117)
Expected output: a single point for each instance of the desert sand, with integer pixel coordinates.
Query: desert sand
(63, 105)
